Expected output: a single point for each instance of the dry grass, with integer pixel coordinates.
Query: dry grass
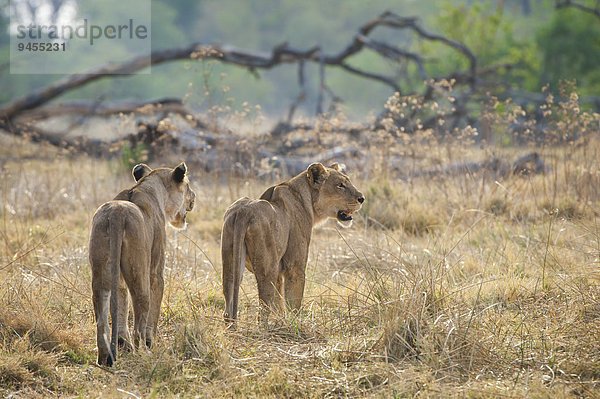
(447, 287)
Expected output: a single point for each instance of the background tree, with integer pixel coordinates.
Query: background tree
(570, 48)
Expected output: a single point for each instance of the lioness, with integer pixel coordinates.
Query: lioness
(127, 245)
(270, 236)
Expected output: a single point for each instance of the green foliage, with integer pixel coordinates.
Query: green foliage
(490, 34)
(566, 47)
(77, 357)
(132, 156)
(478, 27)
(256, 26)
(570, 46)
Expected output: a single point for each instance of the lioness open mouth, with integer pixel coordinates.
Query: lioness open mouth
(344, 216)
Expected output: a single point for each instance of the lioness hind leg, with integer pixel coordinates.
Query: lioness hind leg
(266, 267)
(141, 306)
(136, 273)
(139, 288)
(124, 337)
(157, 286)
(268, 295)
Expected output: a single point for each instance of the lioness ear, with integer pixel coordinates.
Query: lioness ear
(140, 170)
(339, 167)
(268, 194)
(179, 172)
(317, 173)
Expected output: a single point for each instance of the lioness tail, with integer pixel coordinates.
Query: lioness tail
(115, 227)
(239, 259)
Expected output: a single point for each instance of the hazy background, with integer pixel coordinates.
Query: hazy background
(544, 44)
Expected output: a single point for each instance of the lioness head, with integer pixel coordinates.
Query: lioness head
(337, 197)
(180, 197)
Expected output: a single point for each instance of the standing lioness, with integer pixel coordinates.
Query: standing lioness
(270, 236)
(127, 243)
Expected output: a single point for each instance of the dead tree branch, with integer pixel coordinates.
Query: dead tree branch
(281, 54)
(302, 95)
(98, 108)
(569, 3)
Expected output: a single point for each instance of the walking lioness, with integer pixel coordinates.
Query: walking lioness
(127, 246)
(270, 236)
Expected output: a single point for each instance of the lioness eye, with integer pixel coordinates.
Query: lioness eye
(341, 185)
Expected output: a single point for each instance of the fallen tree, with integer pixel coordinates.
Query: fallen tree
(528, 164)
(25, 109)
(213, 147)
(266, 156)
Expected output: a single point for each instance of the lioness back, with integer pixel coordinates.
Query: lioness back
(135, 238)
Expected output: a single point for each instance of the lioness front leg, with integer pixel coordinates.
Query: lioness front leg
(294, 274)
(294, 279)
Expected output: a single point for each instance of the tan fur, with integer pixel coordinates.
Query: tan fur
(127, 253)
(270, 236)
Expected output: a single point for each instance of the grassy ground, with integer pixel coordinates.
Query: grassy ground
(456, 286)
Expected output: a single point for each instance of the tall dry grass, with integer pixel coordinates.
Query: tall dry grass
(448, 285)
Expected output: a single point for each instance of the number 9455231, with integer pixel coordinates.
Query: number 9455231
(41, 46)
